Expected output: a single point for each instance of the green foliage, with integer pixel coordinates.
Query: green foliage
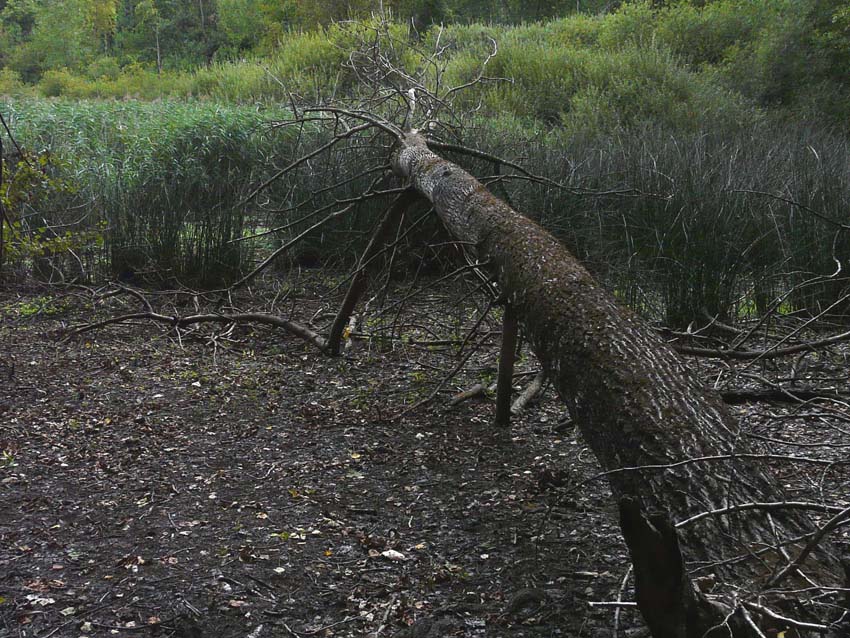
(7, 460)
(104, 67)
(64, 35)
(238, 21)
(166, 176)
(676, 104)
(56, 82)
(644, 61)
(10, 83)
(35, 182)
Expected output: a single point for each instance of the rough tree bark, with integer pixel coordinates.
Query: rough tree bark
(637, 405)
(506, 367)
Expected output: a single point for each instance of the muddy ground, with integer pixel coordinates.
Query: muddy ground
(210, 483)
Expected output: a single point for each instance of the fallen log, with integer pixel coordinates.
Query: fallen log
(639, 407)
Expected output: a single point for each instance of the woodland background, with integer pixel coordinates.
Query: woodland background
(700, 147)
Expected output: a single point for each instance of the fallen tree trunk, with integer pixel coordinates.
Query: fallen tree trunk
(637, 405)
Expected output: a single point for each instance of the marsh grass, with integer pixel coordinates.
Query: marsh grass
(165, 177)
(167, 183)
(682, 224)
(688, 226)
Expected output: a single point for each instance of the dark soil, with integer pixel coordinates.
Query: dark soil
(231, 483)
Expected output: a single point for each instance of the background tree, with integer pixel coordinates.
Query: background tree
(150, 21)
(17, 19)
(243, 23)
(103, 21)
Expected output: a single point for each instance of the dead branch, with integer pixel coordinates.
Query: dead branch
(359, 281)
(365, 196)
(771, 353)
(797, 624)
(743, 507)
(815, 213)
(300, 236)
(304, 158)
(446, 378)
(507, 355)
(294, 328)
(781, 395)
(478, 390)
(815, 540)
(530, 391)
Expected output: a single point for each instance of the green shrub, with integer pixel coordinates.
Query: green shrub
(633, 24)
(578, 30)
(10, 83)
(104, 67)
(56, 82)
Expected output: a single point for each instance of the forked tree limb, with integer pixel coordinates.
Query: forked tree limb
(359, 281)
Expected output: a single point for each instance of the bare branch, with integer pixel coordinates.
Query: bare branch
(815, 540)
(304, 158)
(300, 331)
(264, 264)
(816, 627)
(817, 214)
(530, 391)
(743, 507)
(771, 353)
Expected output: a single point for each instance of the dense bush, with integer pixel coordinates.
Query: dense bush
(647, 62)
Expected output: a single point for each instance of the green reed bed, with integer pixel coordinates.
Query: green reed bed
(687, 225)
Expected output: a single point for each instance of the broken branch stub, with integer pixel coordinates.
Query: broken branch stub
(506, 367)
(635, 400)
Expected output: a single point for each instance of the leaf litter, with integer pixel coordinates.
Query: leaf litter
(261, 490)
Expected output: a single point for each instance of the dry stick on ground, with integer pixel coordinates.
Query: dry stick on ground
(530, 391)
(445, 379)
(477, 390)
(781, 395)
(296, 329)
(480, 389)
